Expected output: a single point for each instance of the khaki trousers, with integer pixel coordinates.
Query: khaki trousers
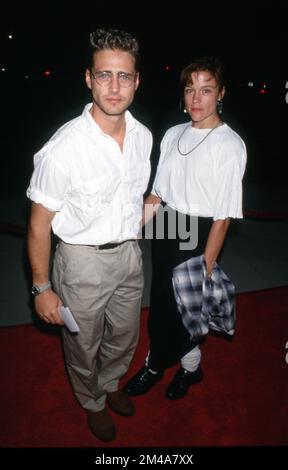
(103, 289)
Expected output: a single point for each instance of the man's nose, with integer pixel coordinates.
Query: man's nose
(114, 85)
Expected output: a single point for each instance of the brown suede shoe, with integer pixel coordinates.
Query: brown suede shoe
(101, 424)
(120, 403)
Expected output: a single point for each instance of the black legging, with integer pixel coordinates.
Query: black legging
(169, 340)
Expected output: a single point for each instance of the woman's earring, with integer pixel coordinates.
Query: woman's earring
(220, 106)
(182, 106)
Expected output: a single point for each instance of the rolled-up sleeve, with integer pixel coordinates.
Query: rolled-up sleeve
(48, 183)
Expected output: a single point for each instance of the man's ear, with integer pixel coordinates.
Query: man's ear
(137, 81)
(88, 78)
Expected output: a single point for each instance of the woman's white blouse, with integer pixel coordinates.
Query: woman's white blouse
(208, 181)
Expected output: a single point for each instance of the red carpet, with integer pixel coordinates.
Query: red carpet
(242, 400)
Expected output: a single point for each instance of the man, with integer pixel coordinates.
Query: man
(87, 186)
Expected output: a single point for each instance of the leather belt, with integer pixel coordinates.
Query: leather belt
(109, 246)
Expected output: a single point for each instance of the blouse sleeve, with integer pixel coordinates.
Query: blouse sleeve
(228, 181)
(163, 150)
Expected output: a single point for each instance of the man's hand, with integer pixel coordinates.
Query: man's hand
(47, 307)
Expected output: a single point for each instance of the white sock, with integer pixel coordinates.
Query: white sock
(191, 360)
(153, 371)
(146, 364)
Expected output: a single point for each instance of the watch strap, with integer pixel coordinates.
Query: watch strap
(38, 289)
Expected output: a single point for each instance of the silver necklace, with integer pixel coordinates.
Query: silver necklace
(199, 143)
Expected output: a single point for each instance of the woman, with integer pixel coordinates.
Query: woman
(199, 177)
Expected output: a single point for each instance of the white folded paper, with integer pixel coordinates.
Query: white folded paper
(68, 319)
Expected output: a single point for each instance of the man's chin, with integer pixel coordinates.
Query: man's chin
(114, 112)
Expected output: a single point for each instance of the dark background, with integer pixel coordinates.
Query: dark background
(47, 38)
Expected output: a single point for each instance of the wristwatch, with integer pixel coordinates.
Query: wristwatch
(36, 290)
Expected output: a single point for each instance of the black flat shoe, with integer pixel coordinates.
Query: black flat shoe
(142, 382)
(181, 382)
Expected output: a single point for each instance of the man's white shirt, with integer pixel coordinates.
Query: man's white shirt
(95, 188)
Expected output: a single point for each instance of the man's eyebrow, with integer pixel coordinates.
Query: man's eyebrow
(190, 85)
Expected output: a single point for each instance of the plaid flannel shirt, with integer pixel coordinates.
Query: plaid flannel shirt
(204, 303)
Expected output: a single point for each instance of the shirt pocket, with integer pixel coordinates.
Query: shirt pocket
(91, 197)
